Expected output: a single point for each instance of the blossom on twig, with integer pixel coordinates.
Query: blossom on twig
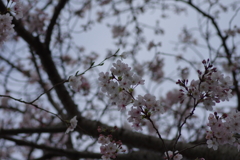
(73, 124)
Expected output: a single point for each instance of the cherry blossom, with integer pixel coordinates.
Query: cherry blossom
(223, 129)
(212, 144)
(79, 83)
(6, 27)
(211, 87)
(175, 156)
(75, 82)
(109, 148)
(120, 84)
(73, 124)
(18, 10)
(119, 88)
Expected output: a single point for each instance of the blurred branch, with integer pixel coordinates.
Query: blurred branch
(58, 151)
(32, 103)
(54, 18)
(52, 129)
(142, 155)
(41, 82)
(8, 108)
(179, 57)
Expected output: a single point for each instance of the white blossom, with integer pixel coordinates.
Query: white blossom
(73, 124)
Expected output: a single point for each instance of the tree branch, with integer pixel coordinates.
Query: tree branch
(52, 129)
(58, 151)
(55, 16)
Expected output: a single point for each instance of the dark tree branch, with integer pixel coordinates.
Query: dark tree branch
(58, 151)
(52, 129)
(55, 16)
(10, 108)
(54, 152)
(41, 82)
(47, 156)
(146, 142)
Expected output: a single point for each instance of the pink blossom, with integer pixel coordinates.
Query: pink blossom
(6, 27)
(212, 144)
(223, 129)
(109, 148)
(170, 154)
(73, 124)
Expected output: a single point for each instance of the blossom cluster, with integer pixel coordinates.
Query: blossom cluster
(79, 83)
(143, 107)
(120, 84)
(173, 156)
(109, 148)
(35, 21)
(211, 87)
(223, 130)
(6, 26)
